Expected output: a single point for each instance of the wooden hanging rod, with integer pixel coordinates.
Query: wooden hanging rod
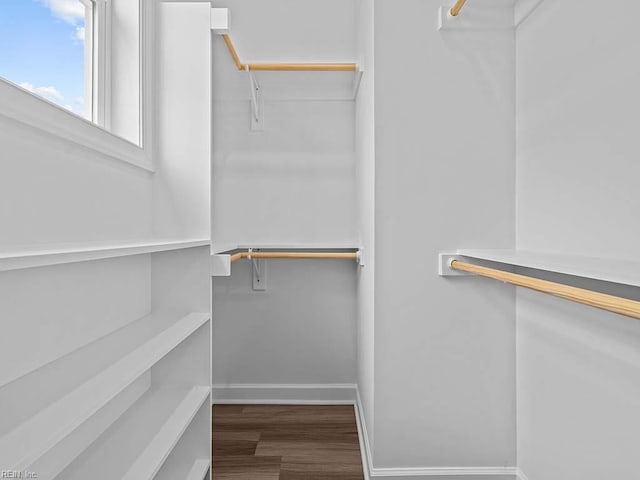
(610, 303)
(296, 255)
(455, 10)
(287, 67)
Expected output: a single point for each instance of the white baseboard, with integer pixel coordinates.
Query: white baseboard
(320, 394)
(521, 475)
(426, 473)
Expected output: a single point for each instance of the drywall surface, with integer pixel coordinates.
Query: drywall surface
(292, 184)
(56, 194)
(300, 331)
(181, 190)
(444, 178)
(577, 164)
(365, 175)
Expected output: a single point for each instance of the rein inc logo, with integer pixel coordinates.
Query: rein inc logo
(17, 474)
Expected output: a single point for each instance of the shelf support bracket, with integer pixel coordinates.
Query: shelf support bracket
(357, 81)
(259, 273)
(257, 103)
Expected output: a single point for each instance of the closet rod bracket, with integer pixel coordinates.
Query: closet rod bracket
(357, 80)
(444, 265)
(257, 103)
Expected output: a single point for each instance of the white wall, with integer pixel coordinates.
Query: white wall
(577, 194)
(55, 193)
(444, 179)
(301, 331)
(291, 185)
(181, 190)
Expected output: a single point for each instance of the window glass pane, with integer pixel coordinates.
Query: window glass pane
(42, 49)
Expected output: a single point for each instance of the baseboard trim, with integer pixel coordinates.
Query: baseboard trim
(428, 473)
(316, 394)
(520, 474)
(363, 437)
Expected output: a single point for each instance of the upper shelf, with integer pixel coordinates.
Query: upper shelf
(613, 270)
(43, 258)
(220, 248)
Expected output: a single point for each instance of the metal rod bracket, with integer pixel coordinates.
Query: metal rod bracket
(444, 265)
(257, 103)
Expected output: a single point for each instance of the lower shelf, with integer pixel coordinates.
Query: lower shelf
(136, 446)
(199, 470)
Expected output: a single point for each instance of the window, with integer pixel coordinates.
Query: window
(46, 48)
(82, 55)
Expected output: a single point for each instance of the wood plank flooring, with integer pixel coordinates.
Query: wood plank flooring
(285, 442)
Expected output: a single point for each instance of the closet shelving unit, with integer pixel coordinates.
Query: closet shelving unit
(135, 403)
(608, 270)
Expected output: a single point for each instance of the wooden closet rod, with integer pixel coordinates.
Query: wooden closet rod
(610, 303)
(296, 255)
(287, 67)
(455, 10)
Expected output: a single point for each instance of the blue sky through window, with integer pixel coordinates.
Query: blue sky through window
(42, 48)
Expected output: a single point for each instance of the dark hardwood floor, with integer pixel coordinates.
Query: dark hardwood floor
(285, 442)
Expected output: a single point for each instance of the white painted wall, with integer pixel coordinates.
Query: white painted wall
(301, 331)
(365, 188)
(181, 190)
(577, 194)
(444, 178)
(292, 184)
(55, 193)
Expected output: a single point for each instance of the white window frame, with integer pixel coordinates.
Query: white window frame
(31, 110)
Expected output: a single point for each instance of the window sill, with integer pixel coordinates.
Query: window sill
(26, 108)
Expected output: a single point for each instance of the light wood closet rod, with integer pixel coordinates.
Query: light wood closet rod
(455, 10)
(610, 303)
(287, 67)
(296, 255)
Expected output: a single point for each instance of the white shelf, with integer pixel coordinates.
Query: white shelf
(199, 470)
(606, 269)
(42, 258)
(145, 433)
(152, 458)
(28, 442)
(218, 248)
(196, 471)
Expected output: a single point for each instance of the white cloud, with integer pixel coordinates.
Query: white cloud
(51, 93)
(79, 34)
(71, 11)
(27, 86)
